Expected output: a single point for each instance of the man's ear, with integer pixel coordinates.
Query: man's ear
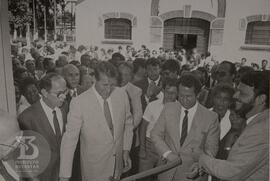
(44, 92)
(261, 99)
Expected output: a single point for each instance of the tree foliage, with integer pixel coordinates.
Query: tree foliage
(19, 13)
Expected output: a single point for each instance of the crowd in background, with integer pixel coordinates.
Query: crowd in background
(152, 79)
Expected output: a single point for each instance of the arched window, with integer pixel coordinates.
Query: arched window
(258, 33)
(118, 28)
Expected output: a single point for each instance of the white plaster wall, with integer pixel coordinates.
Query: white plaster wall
(89, 33)
(201, 5)
(233, 37)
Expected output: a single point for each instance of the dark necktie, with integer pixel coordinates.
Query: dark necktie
(108, 116)
(4, 173)
(184, 128)
(56, 127)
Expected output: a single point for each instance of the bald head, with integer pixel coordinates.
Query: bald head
(72, 75)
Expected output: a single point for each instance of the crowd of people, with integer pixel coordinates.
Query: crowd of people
(109, 114)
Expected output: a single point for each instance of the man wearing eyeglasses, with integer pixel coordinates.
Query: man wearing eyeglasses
(48, 119)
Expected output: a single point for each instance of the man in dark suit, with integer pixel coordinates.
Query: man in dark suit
(48, 119)
(151, 85)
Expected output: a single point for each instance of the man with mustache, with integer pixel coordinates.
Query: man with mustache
(249, 157)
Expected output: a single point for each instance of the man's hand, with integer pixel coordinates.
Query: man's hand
(193, 171)
(126, 160)
(63, 179)
(172, 157)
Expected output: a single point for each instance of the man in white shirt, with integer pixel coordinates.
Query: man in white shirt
(222, 95)
(101, 118)
(48, 119)
(184, 129)
(148, 156)
(249, 157)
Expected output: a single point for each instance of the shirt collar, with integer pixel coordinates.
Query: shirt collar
(125, 86)
(156, 81)
(251, 118)
(46, 107)
(191, 110)
(96, 93)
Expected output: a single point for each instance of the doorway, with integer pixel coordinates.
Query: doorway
(186, 41)
(186, 33)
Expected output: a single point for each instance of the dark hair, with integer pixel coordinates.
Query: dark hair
(26, 82)
(245, 69)
(264, 60)
(260, 81)
(18, 72)
(171, 82)
(205, 73)
(171, 65)
(189, 80)
(46, 62)
(138, 63)
(117, 58)
(85, 57)
(239, 112)
(61, 61)
(81, 48)
(128, 65)
(75, 62)
(232, 66)
(106, 68)
(153, 62)
(222, 87)
(46, 81)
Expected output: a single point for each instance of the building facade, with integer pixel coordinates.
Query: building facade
(228, 29)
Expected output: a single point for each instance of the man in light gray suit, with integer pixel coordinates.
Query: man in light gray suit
(184, 129)
(101, 118)
(249, 157)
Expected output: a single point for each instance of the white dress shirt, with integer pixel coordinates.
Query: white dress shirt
(251, 118)
(49, 113)
(225, 124)
(101, 102)
(191, 114)
(152, 113)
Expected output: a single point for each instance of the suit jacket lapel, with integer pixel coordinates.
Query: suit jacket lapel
(115, 112)
(175, 125)
(99, 115)
(45, 124)
(64, 116)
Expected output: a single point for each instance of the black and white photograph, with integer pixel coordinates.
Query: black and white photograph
(134, 90)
